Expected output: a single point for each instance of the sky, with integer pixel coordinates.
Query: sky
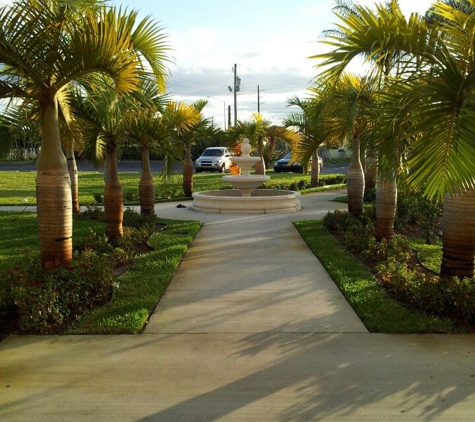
(269, 42)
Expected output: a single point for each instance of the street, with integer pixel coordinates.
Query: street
(133, 166)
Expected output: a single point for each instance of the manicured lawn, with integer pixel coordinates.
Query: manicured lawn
(18, 188)
(378, 311)
(136, 292)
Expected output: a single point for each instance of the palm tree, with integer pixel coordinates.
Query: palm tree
(70, 134)
(441, 86)
(44, 46)
(156, 128)
(255, 131)
(260, 132)
(19, 128)
(389, 41)
(441, 159)
(349, 118)
(312, 127)
(440, 101)
(203, 129)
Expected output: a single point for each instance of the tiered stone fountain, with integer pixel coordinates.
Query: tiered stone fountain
(246, 198)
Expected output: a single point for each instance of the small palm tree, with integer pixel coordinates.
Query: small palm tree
(347, 111)
(260, 132)
(312, 127)
(255, 131)
(202, 130)
(157, 128)
(19, 128)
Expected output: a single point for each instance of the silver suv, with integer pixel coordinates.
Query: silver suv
(213, 159)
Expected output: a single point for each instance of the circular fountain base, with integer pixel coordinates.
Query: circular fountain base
(261, 201)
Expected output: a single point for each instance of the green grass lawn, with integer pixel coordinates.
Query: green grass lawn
(136, 292)
(378, 311)
(18, 188)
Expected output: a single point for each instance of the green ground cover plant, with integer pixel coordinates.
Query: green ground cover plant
(109, 289)
(18, 188)
(405, 269)
(377, 309)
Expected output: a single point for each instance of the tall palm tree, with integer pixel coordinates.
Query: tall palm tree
(44, 46)
(439, 97)
(389, 42)
(440, 76)
(441, 159)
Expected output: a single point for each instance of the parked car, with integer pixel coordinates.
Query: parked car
(213, 159)
(285, 165)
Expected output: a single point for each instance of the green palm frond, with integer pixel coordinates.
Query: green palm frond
(377, 36)
(44, 44)
(442, 157)
(19, 128)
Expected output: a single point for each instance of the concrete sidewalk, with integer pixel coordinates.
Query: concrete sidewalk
(250, 329)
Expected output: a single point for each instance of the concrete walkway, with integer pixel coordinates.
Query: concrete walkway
(250, 329)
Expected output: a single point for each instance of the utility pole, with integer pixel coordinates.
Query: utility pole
(237, 88)
(258, 100)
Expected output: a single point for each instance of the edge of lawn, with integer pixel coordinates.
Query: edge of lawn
(378, 311)
(137, 292)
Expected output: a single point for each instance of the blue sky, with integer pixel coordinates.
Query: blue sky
(269, 41)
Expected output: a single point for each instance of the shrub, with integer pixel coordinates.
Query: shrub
(394, 263)
(98, 198)
(335, 179)
(133, 219)
(301, 184)
(131, 196)
(44, 297)
(92, 213)
(441, 296)
(415, 210)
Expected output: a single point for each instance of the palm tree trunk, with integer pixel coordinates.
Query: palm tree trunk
(188, 173)
(371, 169)
(355, 181)
(146, 186)
(315, 176)
(386, 202)
(260, 167)
(113, 198)
(53, 192)
(458, 225)
(73, 176)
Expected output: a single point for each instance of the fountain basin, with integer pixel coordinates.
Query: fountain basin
(246, 184)
(261, 201)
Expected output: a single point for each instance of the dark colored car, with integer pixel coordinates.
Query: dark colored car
(283, 165)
